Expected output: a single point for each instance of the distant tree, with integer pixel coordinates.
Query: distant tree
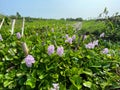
(29, 19)
(12, 17)
(72, 19)
(18, 15)
(79, 19)
(62, 19)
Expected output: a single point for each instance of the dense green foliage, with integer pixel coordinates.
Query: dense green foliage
(79, 68)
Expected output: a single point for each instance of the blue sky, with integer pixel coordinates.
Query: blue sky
(59, 8)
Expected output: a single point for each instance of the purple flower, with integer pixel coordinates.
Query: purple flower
(18, 35)
(60, 51)
(51, 49)
(29, 60)
(66, 36)
(102, 35)
(69, 40)
(90, 45)
(73, 37)
(105, 51)
(95, 42)
(55, 86)
(1, 37)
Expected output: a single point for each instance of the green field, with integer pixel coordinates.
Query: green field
(87, 62)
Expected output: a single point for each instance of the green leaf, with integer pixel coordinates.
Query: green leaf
(88, 56)
(115, 87)
(72, 87)
(74, 70)
(76, 81)
(104, 84)
(21, 81)
(96, 66)
(7, 83)
(80, 71)
(88, 73)
(87, 84)
(8, 76)
(1, 63)
(19, 74)
(74, 58)
(42, 76)
(1, 76)
(62, 87)
(79, 56)
(12, 85)
(31, 81)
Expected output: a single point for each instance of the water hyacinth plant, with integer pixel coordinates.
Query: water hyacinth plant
(60, 51)
(95, 43)
(91, 45)
(69, 40)
(73, 37)
(105, 51)
(51, 49)
(18, 35)
(66, 36)
(52, 63)
(29, 60)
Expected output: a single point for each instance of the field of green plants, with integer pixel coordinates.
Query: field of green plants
(60, 55)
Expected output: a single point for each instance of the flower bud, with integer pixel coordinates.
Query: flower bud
(25, 49)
